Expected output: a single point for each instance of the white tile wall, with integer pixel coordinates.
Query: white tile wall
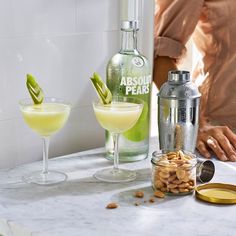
(62, 43)
(104, 12)
(26, 17)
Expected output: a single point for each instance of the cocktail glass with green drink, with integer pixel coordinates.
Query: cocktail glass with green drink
(117, 117)
(45, 118)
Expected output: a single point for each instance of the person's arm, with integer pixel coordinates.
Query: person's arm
(162, 65)
(175, 21)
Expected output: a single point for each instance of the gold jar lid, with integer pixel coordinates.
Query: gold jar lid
(218, 193)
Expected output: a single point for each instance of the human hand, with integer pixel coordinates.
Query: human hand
(218, 139)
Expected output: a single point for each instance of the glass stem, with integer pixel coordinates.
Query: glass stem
(45, 154)
(116, 151)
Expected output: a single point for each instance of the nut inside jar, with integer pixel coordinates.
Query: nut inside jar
(174, 172)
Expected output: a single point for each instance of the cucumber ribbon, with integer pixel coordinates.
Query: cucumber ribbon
(34, 89)
(102, 90)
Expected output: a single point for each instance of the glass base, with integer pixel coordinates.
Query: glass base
(112, 175)
(51, 178)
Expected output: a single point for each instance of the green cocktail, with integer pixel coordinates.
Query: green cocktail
(45, 119)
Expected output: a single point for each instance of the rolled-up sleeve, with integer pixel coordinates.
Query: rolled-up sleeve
(175, 21)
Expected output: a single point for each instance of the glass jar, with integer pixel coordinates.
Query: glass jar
(174, 172)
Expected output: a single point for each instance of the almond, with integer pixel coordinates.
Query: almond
(180, 174)
(112, 205)
(139, 194)
(159, 194)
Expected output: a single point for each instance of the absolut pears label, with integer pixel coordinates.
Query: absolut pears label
(136, 85)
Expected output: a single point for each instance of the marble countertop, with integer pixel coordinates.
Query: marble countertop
(77, 207)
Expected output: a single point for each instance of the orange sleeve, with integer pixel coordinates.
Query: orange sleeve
(175, 21)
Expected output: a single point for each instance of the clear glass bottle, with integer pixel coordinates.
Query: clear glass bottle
(129, 74)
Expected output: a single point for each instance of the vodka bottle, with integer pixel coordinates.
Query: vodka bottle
(129, 74)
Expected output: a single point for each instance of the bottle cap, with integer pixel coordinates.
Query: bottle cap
(130, 25)
(218, 193)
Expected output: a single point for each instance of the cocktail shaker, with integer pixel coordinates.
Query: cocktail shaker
(178, 112)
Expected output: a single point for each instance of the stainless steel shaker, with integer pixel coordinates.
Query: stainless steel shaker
(178, 112)
(205, 170)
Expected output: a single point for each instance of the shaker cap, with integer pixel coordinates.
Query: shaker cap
(130, 25)
(217, 193)
(179, 86)
(205, 170)
(178, 76)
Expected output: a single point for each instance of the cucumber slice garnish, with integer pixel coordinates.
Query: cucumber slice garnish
(34, 89)
(102, 90)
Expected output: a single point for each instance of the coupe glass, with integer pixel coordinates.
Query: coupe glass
(117, 117)
(45, 119)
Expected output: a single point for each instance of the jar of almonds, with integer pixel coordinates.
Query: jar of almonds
(174, 172)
